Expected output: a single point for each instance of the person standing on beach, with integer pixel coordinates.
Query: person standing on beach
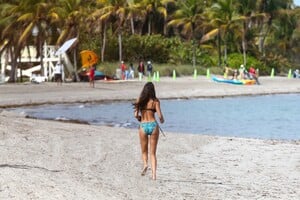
(144, 111)
(58, 73)
(253, 75)
(141, 69)
(123, 68)
(131, 71)
(92, 76)
(149, 68)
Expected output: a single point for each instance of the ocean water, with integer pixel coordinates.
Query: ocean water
(265, 117)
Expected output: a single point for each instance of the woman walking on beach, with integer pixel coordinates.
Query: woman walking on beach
(144, 110)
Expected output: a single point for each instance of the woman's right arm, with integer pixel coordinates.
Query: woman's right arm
(137, 116)
(136, 112)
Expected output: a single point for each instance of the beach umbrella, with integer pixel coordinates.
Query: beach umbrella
(88, 58)
(65, 46)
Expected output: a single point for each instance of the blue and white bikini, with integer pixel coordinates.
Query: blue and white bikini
(149, 127)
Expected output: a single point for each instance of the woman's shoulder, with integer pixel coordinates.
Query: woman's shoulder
(156, 101)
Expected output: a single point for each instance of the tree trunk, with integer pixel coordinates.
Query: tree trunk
(225, 51)
(13, 64)
(194, 54)
(103, 43)
(244, 44)
(120, 45)
(262, 36)
(41, 57)
(262, 39)
(132, 25)
(219, 48)
(149, 26)
(165, 26)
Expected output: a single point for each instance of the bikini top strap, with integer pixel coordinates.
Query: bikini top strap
(152, 107)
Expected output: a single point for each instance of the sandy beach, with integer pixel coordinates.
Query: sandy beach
(42, 159)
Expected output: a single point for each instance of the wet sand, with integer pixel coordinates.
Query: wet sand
(55, 160)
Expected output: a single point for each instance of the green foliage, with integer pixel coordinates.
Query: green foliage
(274, 44)
(112, 48)
(154, 47)
(280, 64)
(235, 60)
(181, 70)
(109, 68)
(89, 42)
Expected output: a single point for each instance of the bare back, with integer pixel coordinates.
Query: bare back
(148, 114)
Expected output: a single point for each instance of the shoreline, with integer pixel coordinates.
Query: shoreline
(45, 159)
(15, 95)
(128, 100)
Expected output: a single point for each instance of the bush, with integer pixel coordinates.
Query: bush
(235, 60)
(154, 47)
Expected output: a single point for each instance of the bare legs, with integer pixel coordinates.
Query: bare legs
(144, 147)
(92, 82)
(153, 144)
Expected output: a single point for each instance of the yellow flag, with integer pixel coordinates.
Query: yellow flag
(88, 58)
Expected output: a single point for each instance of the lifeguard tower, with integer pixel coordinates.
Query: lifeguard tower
(39, 69)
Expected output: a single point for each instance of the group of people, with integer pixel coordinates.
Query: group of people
(243, 73)
(129, 73)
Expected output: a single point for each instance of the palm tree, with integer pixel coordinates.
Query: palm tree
(10, 45)
(189, 20)
(113, 12)
(70, 14)
(35, 16)
(100, 18)
(225, 18)
(22, 17)
(281, 37)
(270, 8)
(248, 15)
(156, 12)
(136, 13)
(6, 30)
(70, 21)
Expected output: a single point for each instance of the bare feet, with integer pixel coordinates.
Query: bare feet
(144, 171)
(154, 177)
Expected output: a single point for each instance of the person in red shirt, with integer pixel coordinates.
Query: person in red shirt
(253, 75)
(92, 76)
(123, 69)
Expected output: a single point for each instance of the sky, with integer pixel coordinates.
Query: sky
(297, 2)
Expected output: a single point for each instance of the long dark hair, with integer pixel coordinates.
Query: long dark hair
(147, 93)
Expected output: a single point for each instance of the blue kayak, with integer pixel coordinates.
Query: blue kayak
(234, 81)
(231, 81)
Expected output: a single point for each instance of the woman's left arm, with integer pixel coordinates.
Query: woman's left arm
(159, 113)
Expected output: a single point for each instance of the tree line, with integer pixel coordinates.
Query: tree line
(200, 32)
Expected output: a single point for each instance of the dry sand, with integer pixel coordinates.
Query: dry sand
(42, 159)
